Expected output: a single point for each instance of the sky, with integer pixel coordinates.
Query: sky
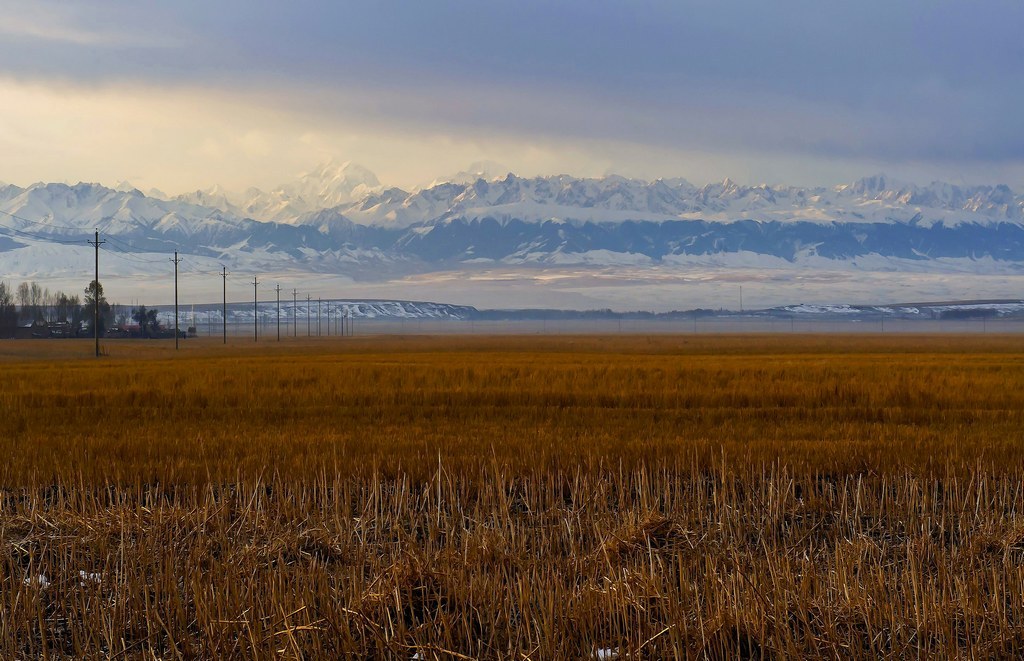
(189, 94)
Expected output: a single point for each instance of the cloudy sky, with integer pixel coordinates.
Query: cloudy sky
(187, 94)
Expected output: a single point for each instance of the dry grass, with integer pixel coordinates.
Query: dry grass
(514, 498)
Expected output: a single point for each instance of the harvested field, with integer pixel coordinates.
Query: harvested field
(514, 497)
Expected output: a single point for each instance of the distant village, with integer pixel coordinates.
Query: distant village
(30, 311)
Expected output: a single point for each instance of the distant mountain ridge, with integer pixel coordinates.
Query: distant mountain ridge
(356, 193)
(328, 185)
(614, 198)
(340, 218)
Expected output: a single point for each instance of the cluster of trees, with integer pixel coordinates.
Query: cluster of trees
(32, 302)
(29, 303)
(8, 311)
(149, 326)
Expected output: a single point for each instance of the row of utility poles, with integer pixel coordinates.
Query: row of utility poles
(346, 319)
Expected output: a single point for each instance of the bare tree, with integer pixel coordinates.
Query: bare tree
(35, 294)
(8, 311)
(24, 299)
(49, 305)
(64, 306)
(94, 297)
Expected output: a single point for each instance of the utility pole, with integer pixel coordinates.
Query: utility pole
(309, 330)
(295, 312)
(318, 316)
(96, 294)
(255, 311)
(224, 274)
(176, 333)
(279, 313)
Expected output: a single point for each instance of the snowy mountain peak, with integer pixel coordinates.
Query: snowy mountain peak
(328, 185)
(882, 187)
(333, 182)
(486, 170)
(324, 187)
(616, 198)
(125, 186)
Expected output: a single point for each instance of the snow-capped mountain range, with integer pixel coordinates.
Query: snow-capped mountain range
(329, 185)
(340, 219)
(355, 193)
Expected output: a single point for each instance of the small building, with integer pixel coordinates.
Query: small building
(36, 330)
(60, 329)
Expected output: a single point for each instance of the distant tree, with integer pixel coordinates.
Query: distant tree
(93, 298)
(67, 309)
(148, 323)
(77, 312)
(50, 305)
(24, 300)
(36, 296)
(61, 307)
(8, 311)
(121, 314)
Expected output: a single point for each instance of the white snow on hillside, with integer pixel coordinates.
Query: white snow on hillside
(482, 190)
(338, 220)
(614, 198)
(326, 186)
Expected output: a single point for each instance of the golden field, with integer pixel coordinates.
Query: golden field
(514, 497)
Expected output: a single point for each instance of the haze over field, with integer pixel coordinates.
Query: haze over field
(664, 154)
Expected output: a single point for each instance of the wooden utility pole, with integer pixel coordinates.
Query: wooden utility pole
(176, 332)
(224, 274)
(96, 294)
(255, 311)
(279, 313)
(318, 317)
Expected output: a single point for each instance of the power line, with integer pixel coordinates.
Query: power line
(36, 222)
(125, 247)
(176, 331)
(193, 268)
(224, 275)
(278, 289)
(113, 239)
(255, 310)
(43, 237)
(96, 294)
(120, 254)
